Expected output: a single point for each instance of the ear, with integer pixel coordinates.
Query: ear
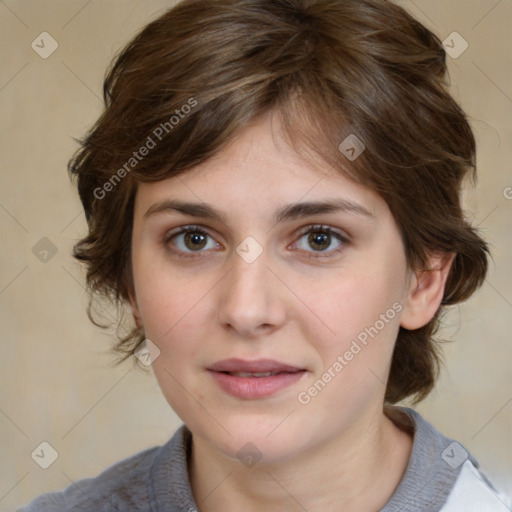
(135, 309)
(426, 291)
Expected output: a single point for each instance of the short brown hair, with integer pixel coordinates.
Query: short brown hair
(330, 68)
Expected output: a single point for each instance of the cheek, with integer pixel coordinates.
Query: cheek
(177, 326)
(350, 304)
(353, 363)
(169, 299)
(175, 314)
(361, 309)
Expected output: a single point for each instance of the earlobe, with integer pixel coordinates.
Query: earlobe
(135, 311)
(136, 317)
(426, 291)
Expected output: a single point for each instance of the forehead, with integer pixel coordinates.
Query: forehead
(259, 169)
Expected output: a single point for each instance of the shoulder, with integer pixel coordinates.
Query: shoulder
(126, 485)
(441, 474)
(124, 482)
(472, 492)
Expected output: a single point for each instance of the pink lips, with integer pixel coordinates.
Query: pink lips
(254, 379)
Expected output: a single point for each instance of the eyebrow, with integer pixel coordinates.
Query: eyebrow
(285, 213)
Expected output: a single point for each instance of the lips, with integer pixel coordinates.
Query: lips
(257, 366)
(253, 374)
(254, 379)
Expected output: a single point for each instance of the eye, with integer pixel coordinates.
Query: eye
(190, 239)
(321, 239)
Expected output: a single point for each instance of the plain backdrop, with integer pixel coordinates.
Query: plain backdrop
(58, 384)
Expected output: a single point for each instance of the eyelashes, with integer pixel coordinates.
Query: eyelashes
(193, 241)
(322, 234)
(194, 235)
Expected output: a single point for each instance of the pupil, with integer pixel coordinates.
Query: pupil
(195, 240)
(319, 239)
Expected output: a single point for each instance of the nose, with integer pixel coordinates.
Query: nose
(251, 301)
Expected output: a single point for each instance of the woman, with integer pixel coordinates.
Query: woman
(273, 189)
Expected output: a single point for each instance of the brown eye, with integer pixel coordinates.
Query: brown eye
(191, 239)
(195, 240)
(319, 240)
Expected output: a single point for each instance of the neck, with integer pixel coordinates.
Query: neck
(355, 471)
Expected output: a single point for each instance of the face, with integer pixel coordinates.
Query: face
(274, 292)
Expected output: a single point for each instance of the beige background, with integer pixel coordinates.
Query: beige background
(57, 381)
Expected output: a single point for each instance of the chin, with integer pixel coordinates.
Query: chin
(255, 440)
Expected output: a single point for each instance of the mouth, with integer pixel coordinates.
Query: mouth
(254, 379)
(253, 374)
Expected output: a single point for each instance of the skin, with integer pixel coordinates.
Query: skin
(294, 304)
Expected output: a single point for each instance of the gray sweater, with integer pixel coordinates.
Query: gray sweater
(156, 480)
